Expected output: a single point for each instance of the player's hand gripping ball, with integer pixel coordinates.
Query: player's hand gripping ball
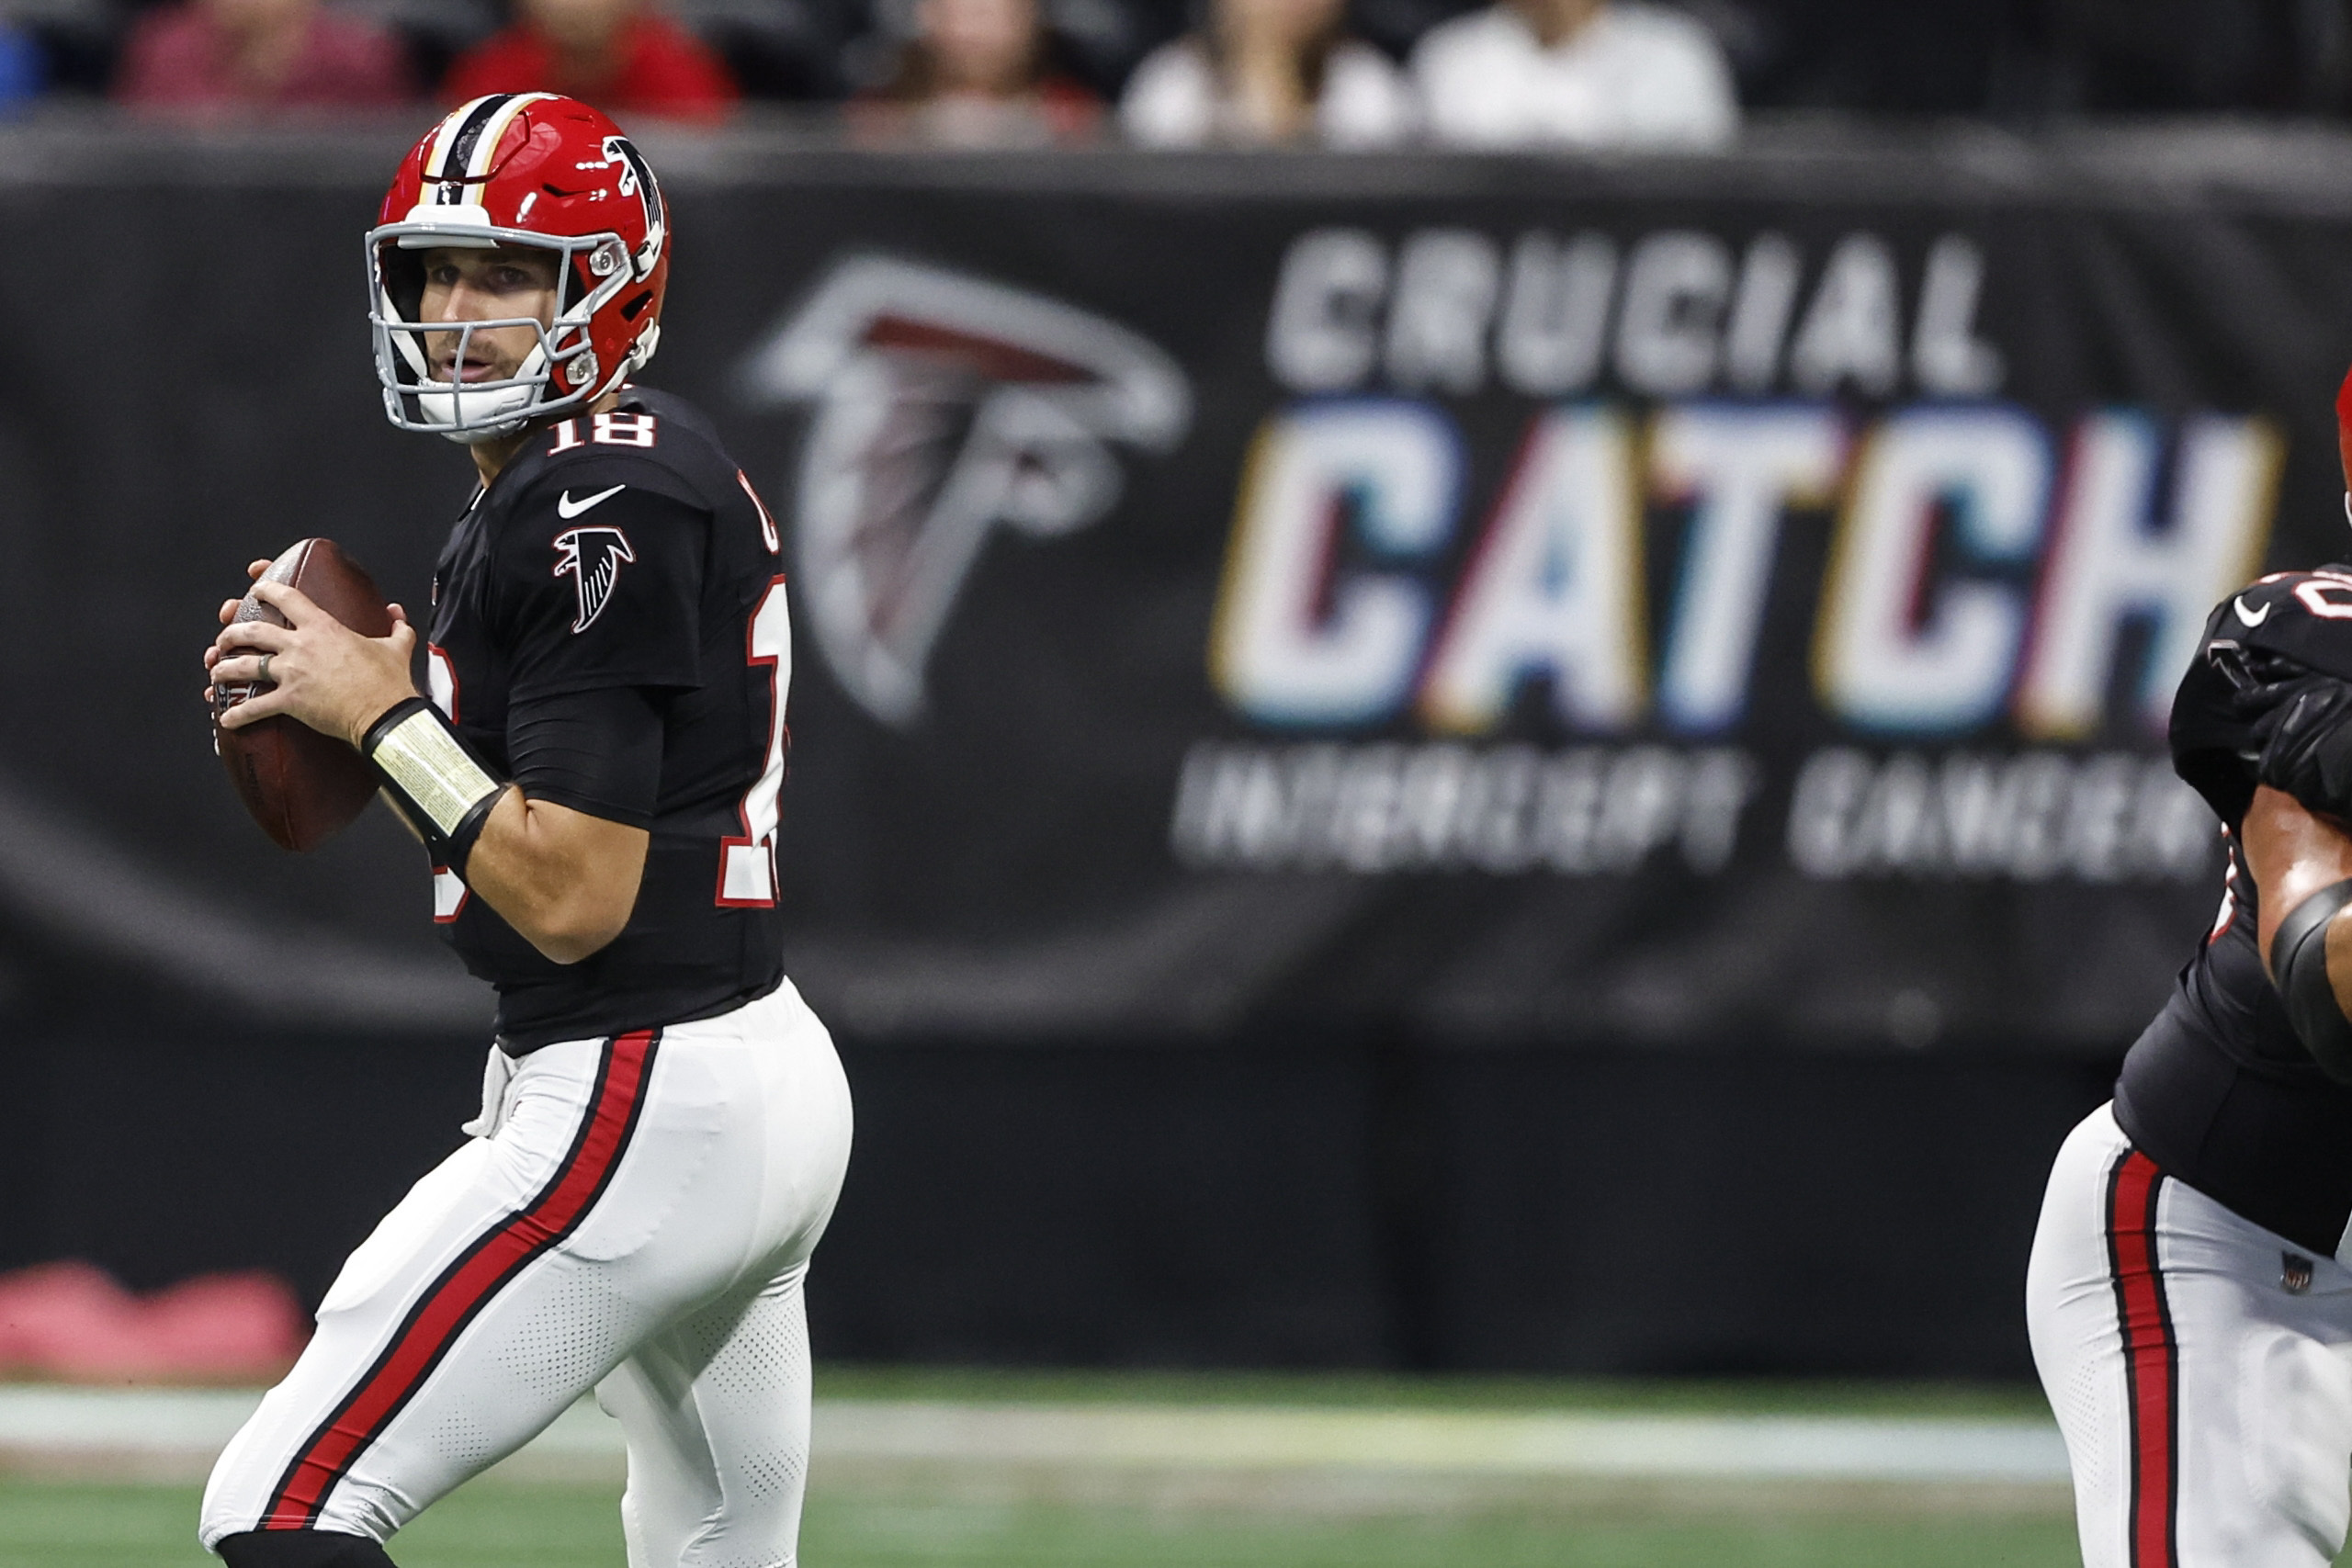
(302, 786)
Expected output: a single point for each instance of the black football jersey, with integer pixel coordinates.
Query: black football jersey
(2218, 1091)
(626, 549)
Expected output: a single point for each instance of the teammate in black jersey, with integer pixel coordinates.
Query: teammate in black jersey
(2189, 1297)
(595, 770)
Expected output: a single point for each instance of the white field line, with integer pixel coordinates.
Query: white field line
(1456, 1442)
(58, 1424)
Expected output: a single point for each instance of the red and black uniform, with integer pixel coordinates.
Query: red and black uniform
(664, 1124)
(2218, 1091)
(597, 635)
(2190, 1311)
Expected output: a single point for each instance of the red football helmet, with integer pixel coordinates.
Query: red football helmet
(522, 169)
(2344, 437)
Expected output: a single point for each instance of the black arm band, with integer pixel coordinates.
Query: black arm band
(2299, 965)
(445, 794)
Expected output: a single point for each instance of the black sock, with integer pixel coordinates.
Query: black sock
(302, 1549)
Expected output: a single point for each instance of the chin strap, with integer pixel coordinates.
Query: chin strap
(509, 408)
(434, 781)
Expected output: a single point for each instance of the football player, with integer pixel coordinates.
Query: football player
(2189, 1297)
(595, 767)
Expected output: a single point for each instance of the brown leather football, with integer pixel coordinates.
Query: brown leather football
(302, 786)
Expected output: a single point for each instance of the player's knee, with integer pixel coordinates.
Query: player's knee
(300, 1548)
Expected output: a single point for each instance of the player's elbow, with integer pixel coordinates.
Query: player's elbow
(568, 883)
(568, 952)
(570, 943)
(578, 917)
(576, 928)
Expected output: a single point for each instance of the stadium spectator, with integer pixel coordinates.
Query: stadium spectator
(1268, 71)
(214, 56)
(1576, 72)
(23, 70)
(620, 55)
(977, 73)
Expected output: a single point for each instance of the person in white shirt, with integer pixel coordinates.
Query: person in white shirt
(1575, 72)
(1265, 71)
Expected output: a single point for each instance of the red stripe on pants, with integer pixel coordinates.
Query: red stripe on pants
(2151, 1361)
(455, 1299)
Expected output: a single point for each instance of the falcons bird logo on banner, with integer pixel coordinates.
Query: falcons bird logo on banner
(945, 405)
(591, 558)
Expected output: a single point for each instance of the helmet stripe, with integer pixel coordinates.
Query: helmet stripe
(439, 146)
(447, 159)
(478, 153)
(462, 146)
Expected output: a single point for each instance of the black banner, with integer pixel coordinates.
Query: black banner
(1727, 603)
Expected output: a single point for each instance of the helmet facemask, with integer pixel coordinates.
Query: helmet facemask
(560, 372)
(536, 173)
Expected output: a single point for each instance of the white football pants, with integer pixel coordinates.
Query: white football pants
(2199, 1365)
(635, 1216)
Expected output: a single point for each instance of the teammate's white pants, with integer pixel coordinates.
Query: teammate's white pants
(2199, 1365)
(638, 1220)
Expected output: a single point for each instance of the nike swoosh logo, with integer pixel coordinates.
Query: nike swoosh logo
(568, 509)
(2248, 616)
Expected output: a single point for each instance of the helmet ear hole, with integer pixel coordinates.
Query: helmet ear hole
(590, 270)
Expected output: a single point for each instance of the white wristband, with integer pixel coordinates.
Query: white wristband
(432, 769)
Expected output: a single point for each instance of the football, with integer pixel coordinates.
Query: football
(302, 786)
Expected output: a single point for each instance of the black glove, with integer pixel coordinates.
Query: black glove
(2304, 728)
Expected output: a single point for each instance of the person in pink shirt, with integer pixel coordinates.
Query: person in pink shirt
(226, 55)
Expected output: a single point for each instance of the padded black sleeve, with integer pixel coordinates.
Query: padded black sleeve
(2299, 961)
(2306, 739)
(598, 751)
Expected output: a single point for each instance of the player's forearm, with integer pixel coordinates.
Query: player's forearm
(2302, 876)
(566, 881)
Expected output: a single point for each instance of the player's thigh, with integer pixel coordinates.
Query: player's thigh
(2070, 1285)
(2265, 1338)
(715, 1408)
(770, 1184)
(2206, 1406)
(380, 1282)
(2077, 1345)
(458, 1330)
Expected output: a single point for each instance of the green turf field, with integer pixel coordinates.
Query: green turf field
(496, 1525)
(509, 1521)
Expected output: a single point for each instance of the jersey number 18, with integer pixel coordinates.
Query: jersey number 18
(746, 865)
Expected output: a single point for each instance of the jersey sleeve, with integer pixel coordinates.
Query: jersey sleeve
(596, 752)
(603, 581)
(2208, 739)
(2287, 623)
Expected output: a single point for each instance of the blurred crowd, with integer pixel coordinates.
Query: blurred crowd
(1352, 74)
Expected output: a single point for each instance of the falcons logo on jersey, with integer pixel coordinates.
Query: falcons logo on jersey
(945, 405)
(591, 558)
